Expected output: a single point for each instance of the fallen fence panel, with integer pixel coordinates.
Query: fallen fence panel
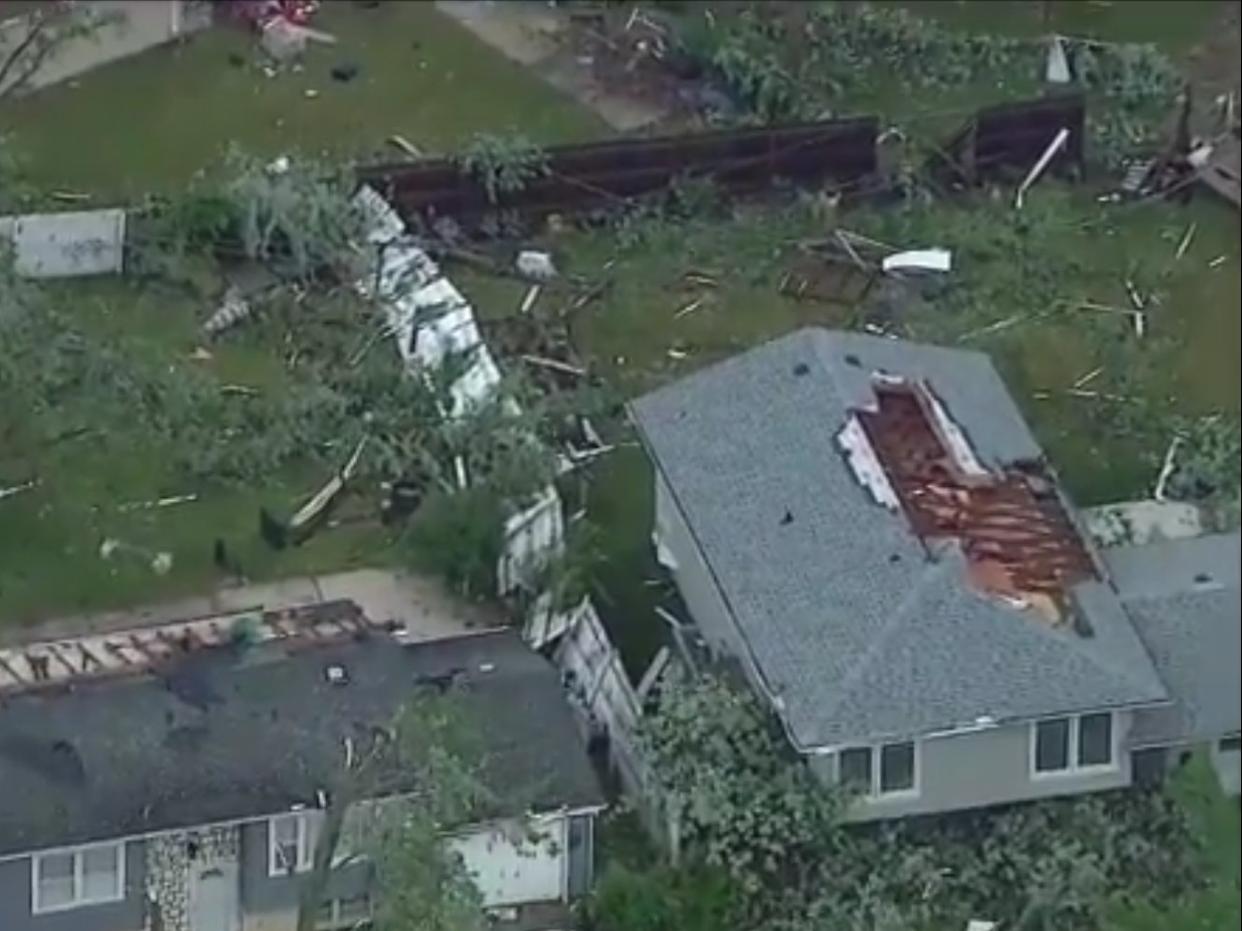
(602, 174)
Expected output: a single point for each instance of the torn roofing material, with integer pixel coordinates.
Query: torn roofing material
(858, 626)
(1018, 539)
(245, 739)
(1183, 597)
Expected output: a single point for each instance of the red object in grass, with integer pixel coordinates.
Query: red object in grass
(258, 13)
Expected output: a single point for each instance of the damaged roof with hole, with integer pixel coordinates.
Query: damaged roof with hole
(1184, 599)
(223, 738)
(889, 541)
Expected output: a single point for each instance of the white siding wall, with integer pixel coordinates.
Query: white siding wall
(514, 862)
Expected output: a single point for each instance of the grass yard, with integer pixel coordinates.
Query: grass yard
(149, 122)
(1187, 362)
(153, 121)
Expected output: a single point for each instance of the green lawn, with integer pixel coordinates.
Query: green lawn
(151, 121)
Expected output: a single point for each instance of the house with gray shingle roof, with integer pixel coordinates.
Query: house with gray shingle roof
(868, 527)
(188, 794)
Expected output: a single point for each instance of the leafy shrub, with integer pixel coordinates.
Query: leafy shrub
(503, 164)
(459, 537)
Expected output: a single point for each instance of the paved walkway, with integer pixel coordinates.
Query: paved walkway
(425, 607)
(531, 34)
(139, 25)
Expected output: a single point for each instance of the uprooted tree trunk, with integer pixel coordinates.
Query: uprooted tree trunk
(30, 41)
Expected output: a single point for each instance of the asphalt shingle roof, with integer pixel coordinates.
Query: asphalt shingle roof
(859, 628)
(1183, 596)
(256, 736)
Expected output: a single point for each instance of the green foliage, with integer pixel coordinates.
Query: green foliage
(746, 809)
(1208, 464)
(301, 218)
(458, 536)
(726, 781)
(503, 164)
(661, 899)
(1214, 821)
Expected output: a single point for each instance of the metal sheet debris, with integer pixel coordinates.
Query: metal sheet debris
(931, 260)
(66, 245)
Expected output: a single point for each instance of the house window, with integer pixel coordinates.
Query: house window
(1230, 743)
(291, 843)
(886, 769)
(896, 768)
(85, 876)
(1069, 744)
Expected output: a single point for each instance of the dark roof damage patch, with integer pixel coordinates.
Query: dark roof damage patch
(1017, 537)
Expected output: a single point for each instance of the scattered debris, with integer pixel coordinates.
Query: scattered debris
(932, 260)
(1088, 377)
(689, 308)
(159, 561)
(534, 265)
(676, 354)
(201, 354)
(1003, 324)
(310, 93)
(70, 197)
(1217, 262)
(278, 535)
(244, 390)
(1185, 243)
(528, 301)
(1058, 142)
(157, 503)
(232, 310)
(1135, 298)
(400, 142)
(344, 72)
(554, 364)
(1056, 68)
(17, 489)
(1166, 468)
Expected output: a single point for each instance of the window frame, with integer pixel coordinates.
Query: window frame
(1228, 744)
(77, 859)
(874, 792)
(304, 840)
(1073, 764)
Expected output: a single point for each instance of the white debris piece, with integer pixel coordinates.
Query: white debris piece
(1058, 142)
(536, 266)
(1057, 69)
(232, 310)
(866, 465)
(68, 244)
(926, 260)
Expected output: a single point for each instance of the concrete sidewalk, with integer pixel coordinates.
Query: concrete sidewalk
(423, 605)
(138, 26)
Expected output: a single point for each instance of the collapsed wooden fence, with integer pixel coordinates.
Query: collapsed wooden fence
(841, 153)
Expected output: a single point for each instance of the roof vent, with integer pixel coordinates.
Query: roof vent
(1202, 578)
(853, 360)
(801, 369)
(336, 674)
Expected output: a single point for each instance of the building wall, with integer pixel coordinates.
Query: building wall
(126, 915)
(987, 767)
(698, 589)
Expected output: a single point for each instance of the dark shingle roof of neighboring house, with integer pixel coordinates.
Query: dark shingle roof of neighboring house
(1183, 596)
(859, 628)
(255, 736)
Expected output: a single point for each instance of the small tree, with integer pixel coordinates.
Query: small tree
(393, 800)
(503, 164)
